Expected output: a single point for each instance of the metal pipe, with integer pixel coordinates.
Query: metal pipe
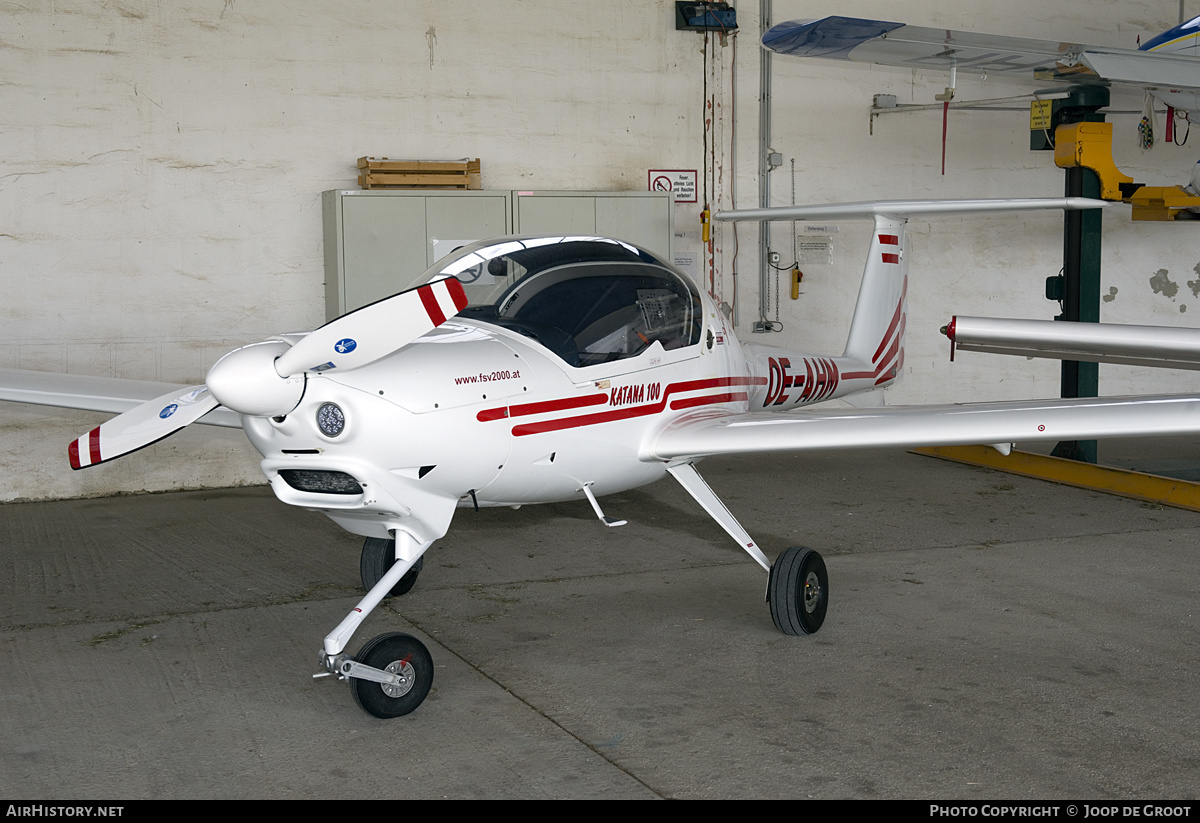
(764, 164)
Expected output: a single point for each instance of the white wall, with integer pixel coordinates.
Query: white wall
(163, 164)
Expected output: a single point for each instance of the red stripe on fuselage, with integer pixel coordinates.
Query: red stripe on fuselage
(691, 402)
(558, 424)
(523, 409)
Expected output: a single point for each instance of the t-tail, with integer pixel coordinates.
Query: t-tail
(874, 354)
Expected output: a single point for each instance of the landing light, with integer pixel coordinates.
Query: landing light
(331, 420)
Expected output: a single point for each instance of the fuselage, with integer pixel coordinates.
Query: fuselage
(1181, 39)
(561, 382)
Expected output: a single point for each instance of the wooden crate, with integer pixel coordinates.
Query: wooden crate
(382, 173)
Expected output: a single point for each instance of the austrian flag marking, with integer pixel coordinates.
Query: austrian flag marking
(890, 240)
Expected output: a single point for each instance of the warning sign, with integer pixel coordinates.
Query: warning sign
(680, 181)
(1040, 115)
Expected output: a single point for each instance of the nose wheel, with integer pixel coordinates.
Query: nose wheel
(798, 591)
(404, 662)
(379, 555)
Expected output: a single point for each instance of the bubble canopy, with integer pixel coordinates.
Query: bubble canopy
(588, 300)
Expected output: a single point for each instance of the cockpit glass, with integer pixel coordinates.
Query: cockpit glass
(589, 300)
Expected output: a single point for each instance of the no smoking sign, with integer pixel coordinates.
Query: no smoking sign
(681, 182)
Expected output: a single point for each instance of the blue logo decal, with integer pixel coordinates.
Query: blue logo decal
(168, 411)
(345, 346)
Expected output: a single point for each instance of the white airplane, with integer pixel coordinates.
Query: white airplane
(1167, 66)
(543, 369)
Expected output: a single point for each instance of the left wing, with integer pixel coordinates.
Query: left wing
(897, 44)
(710, 434)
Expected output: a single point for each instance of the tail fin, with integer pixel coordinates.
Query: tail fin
(876, 341)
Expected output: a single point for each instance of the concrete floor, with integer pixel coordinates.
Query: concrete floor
(989, 636)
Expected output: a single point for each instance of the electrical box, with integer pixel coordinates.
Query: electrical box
(704, 16)
(1082, 105)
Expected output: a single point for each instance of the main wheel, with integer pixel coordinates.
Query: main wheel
(400, 654)
(798, 591)
(378, 555)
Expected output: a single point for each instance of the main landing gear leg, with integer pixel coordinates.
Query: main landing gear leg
(393, 672)
(797, 583)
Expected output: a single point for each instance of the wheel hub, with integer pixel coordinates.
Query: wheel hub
(404, 670)
(812, 592)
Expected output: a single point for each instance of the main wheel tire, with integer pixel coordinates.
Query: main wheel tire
(400, 654)
(379, 555)
(798, 591)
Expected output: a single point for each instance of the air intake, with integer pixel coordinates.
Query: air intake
(320, 482)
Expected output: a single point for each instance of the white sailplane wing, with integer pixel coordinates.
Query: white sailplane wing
(711, 434)
(897, 44)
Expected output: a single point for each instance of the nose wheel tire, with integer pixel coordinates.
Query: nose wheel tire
(798, 591)
(378, 555)
(400, 654)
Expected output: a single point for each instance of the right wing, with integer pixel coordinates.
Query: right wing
(709, 434)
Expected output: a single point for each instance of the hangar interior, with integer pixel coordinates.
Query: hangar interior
(167, 164)
(170, 175)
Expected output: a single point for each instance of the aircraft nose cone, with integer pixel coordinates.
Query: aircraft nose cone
(246, 382)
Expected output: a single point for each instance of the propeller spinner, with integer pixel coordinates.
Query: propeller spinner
(267, 379)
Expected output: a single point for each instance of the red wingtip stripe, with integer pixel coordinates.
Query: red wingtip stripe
(429, 301)
(889, 239)
(73, 454)
(891, 258)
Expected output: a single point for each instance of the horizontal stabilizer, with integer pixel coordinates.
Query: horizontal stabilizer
(1157, 346)
(908, 208)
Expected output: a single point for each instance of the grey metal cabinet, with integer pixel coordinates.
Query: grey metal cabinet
(380, 242)
(644, 218)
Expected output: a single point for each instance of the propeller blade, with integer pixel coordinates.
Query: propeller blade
(367, 334)
(141, 426)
